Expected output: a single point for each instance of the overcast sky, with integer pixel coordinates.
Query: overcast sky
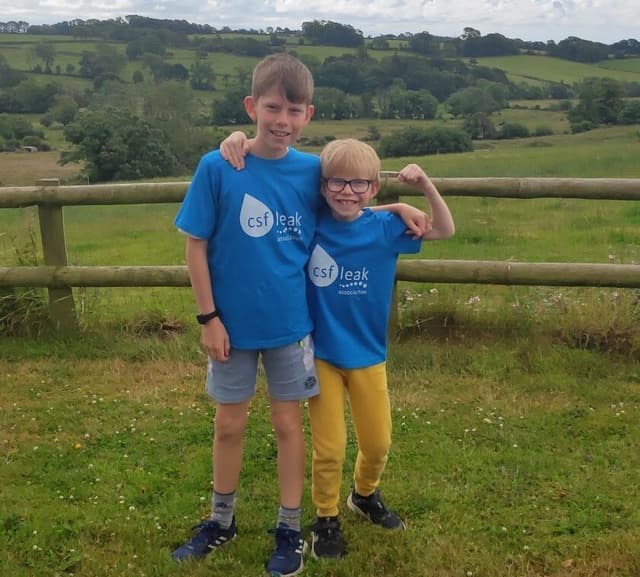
(599, 20)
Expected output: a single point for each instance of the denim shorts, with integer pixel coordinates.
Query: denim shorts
(290, 373)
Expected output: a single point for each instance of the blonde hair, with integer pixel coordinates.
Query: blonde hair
(351, 155)
(285, 73)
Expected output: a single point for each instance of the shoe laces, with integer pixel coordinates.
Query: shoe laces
(207, 527)
(286, 540)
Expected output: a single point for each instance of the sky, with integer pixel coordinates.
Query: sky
(605, 21)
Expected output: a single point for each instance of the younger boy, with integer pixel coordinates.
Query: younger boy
(248, 238)
(351, 273)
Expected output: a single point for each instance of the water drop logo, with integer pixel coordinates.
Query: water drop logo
(322, 269)
(256, 218)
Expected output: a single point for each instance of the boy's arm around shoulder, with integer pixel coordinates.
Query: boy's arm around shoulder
(442, 225)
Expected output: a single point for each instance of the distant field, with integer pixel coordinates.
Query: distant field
(601, 153)
(545, 68)
(24, 168)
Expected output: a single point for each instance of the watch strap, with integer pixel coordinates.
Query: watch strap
(205, 318)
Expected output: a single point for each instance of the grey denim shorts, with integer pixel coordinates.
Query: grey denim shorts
(290, 373)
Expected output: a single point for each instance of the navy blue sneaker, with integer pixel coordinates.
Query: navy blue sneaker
(210, 537)
(287, 557)
(374, 509)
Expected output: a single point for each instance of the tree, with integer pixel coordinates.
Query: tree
(64, 109)
(201, 75)
(423, 43)
(117, 145)
(105, 60)
(46, 51)
(8, 76)
(479, 126)
(469, 32)
(471, 100)
(229, 109)
(332, 34)
(600, 102)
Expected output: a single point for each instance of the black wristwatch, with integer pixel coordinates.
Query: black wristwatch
(204, 319)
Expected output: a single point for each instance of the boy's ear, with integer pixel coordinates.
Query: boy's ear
(375, 187)
(310, 110)
(250, 107)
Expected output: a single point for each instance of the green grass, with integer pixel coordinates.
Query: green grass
(511, 456)
(529, 67)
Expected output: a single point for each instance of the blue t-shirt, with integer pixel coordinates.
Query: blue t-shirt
(259, 223)
(351, 273)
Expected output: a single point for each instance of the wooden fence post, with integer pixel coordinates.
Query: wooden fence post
(388, 197)
(61, 305)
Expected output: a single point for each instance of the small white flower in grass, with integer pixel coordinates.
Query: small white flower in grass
(132, 508)
(433, 291)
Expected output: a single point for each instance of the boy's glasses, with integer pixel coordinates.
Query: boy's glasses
(358, 185)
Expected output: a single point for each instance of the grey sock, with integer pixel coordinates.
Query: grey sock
(223, 506)
(289, 517)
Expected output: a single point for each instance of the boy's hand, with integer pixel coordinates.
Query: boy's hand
(418, 222)
(215, 340)
(234, 148)
(413, 175)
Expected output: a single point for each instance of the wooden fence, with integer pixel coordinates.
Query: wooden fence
(59, 278)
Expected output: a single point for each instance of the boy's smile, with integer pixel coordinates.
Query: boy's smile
(279, 122)
(345, 203)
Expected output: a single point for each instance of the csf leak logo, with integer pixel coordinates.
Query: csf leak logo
(257, 219)
(323, 271)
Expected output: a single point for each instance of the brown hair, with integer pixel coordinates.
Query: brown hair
(349, 154)
(287, 74)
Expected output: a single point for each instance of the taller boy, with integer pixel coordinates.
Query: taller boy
(248, 239)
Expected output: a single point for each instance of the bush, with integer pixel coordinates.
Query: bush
(582, 126)
(543, 131)
(415, 141)
(513, 130)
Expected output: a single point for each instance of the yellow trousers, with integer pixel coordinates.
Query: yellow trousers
(371, 411)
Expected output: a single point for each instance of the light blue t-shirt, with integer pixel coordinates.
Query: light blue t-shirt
(351, 273)
(259, 223)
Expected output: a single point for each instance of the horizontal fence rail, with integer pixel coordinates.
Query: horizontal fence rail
(422, 270)
(167, 192)
(58, 277)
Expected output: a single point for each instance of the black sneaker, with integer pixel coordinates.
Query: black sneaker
(210, 537)
(286, 559)
(326, 538)
(373, 508)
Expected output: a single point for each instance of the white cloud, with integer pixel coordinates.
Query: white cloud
(599, 20)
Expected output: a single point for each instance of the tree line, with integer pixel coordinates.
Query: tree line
(161, 107)
(470, 43)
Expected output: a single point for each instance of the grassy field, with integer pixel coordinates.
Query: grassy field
(529, 67)
(510, 458)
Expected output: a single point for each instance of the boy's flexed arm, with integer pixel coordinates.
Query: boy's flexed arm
(442, 225)
(214, 337)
